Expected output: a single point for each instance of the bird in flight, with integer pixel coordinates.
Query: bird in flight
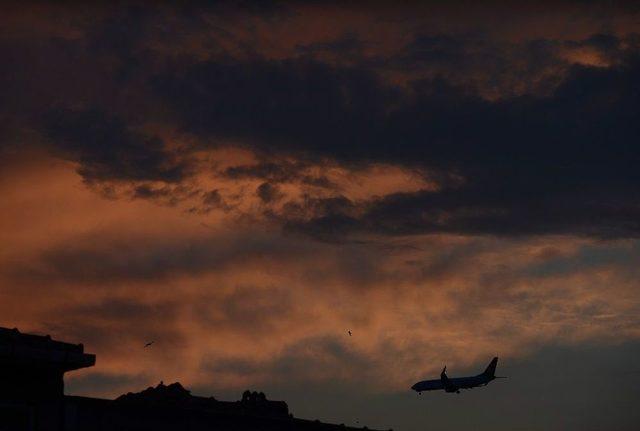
(349, 333)
(148, 344)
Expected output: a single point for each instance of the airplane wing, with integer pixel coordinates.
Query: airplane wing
(467, 385)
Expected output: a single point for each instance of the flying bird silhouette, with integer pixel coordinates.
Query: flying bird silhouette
(148, 344)
(349, 333)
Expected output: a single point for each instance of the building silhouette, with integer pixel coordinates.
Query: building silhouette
(32, 398)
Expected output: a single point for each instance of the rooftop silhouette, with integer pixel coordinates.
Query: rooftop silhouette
(32, 398)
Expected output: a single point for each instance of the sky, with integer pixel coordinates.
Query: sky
(243, 183)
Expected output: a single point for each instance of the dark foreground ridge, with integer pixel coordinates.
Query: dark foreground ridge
(32, 398)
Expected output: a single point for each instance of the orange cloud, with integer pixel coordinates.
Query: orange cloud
(236, 304)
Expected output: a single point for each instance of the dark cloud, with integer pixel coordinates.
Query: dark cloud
(558, 160)
(277, 106)
(167, 195)
(108, 149)
(502, 69)
(268, 193)
(558, 164)
(280, 171)
(460, 211)
(212, 200)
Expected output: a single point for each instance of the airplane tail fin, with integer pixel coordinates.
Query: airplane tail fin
(444, 378)
(491, 369)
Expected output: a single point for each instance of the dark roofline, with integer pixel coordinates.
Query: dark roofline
(15, 336)
(42, 350)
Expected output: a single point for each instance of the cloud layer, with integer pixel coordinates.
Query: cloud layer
(555, 156)
(244, 185)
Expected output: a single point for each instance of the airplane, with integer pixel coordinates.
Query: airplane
(455, 384)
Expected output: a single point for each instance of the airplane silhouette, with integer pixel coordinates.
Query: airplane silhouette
(148, 344)
(349, 333)
(455, 384)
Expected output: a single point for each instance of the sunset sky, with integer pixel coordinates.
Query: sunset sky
(243, 183)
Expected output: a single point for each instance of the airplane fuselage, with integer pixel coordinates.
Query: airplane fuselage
(453, 384)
